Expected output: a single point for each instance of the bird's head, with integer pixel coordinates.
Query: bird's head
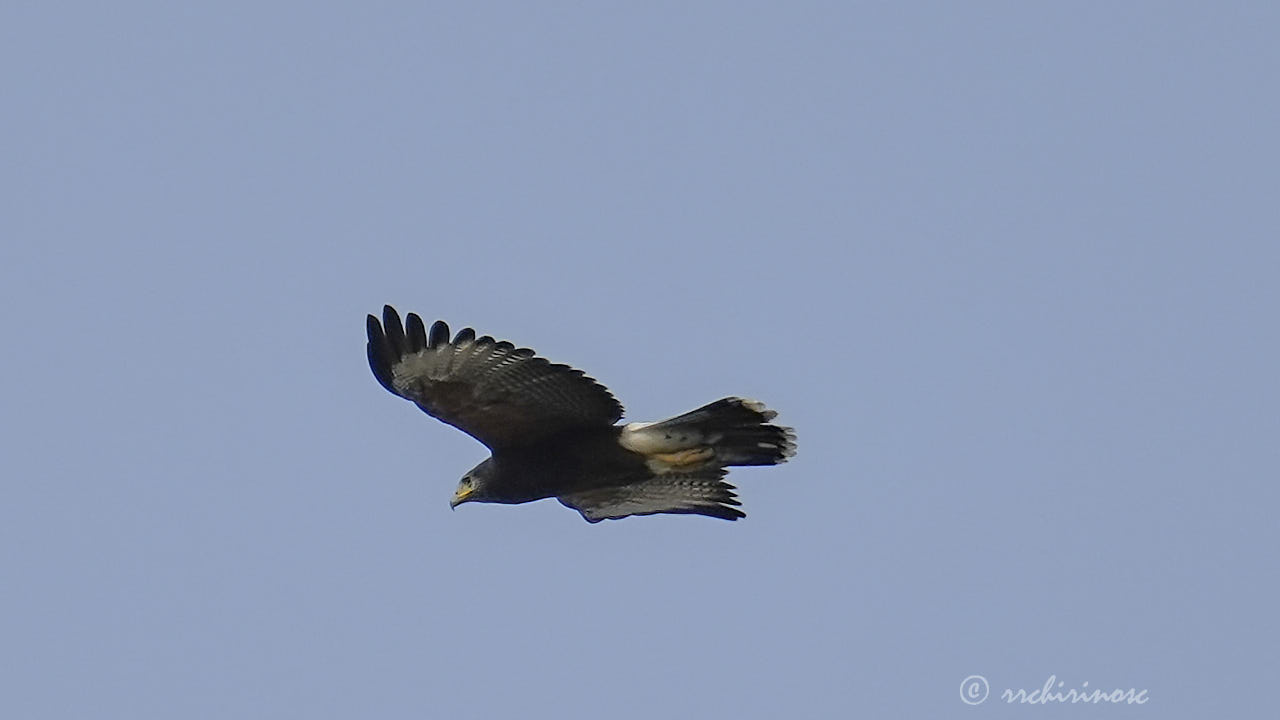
(473, 487)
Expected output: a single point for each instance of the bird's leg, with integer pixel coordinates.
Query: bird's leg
(685, 458)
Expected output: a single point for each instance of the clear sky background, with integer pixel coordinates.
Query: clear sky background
(1010, 269)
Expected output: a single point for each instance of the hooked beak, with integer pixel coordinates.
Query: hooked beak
(460, 497)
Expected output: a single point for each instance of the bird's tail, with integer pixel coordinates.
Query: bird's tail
(728, 432)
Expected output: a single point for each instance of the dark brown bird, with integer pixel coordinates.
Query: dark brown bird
(552, 430)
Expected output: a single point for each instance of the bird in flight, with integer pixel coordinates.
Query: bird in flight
(552, 431)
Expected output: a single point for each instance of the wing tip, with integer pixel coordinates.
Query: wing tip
(439, 334)
(380, 353)
(415, 332)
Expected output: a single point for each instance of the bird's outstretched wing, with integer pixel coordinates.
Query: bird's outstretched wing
(499, 394)
(703, 493)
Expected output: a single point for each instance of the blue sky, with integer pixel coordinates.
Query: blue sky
(1009, 269)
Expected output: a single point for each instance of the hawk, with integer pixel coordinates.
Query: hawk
(552, 431)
